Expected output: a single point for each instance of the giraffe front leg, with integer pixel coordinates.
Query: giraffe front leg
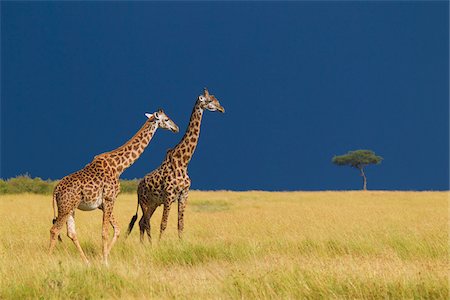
(165, 215)
(182, 201)
(164, 219)
(116, 235)
(107, 213)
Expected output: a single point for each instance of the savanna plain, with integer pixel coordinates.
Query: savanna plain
(238, 245)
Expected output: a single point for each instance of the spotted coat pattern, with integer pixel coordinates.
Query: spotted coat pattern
(97, 185)
(170, 182)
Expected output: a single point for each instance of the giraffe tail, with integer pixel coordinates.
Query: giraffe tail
(131, 225)
(54, 215)
(133, 220)
(54, 209)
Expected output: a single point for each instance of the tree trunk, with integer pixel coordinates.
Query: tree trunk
(364, 179)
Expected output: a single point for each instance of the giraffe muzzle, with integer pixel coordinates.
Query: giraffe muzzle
(175, 129)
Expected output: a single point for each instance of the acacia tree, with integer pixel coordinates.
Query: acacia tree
(358, 159)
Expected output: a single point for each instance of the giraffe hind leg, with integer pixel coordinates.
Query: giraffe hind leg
(55, 230)
(149, 215)
(72, 234)
(142, 226)
(59, 235)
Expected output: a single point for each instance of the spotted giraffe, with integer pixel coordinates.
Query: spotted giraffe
(97, 185)
(170, 181)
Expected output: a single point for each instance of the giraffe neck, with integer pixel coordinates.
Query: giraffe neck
(182, 153)
(124, 156)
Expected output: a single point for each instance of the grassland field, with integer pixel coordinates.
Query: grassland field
(238, 245)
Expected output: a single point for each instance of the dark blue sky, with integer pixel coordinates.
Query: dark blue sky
(300, 82)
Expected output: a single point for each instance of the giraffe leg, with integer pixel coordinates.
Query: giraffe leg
(147, 218)
(164, 219)
(107, 212)
(72, 234)
(116, 228)
(59, 236)
(182, 201)
(142, 226)
(55, 230)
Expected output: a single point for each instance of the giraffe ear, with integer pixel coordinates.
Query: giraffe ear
(148, 115)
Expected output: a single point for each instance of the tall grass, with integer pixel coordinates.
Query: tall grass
(248, 245)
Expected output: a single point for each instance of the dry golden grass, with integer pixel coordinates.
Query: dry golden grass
(239, 245)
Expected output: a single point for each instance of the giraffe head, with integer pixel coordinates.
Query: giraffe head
(210, 102)
(163, 121)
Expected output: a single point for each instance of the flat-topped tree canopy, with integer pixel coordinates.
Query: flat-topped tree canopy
(358, 159)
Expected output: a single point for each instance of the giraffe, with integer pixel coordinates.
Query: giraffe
(170, 181)
(97, 185)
